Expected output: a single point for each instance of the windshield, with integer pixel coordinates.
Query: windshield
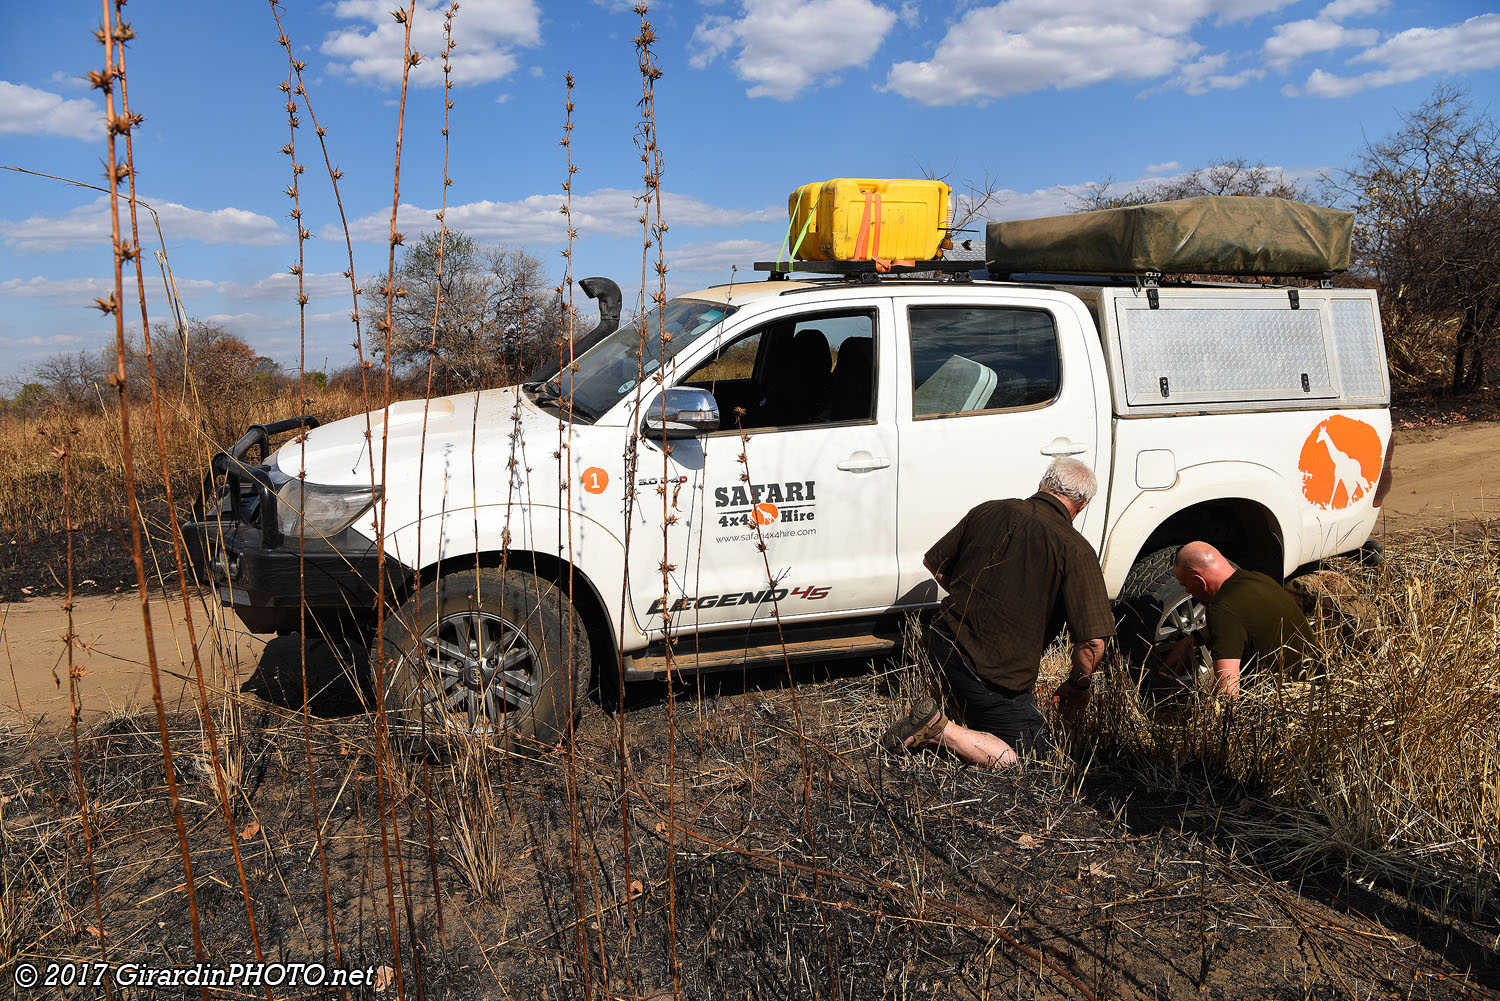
(609, 370)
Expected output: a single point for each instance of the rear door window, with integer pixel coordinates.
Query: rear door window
(971, 359)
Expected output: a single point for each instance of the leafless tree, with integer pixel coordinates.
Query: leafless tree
(1236, 176)
(972, 199)
(70, 377)
(497, 317)
(1428, 230)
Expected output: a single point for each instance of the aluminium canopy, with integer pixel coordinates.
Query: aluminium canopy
(1208, 235)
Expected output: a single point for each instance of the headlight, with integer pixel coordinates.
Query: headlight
(313, 509)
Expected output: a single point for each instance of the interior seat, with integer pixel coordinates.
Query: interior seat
(799, 386)
(850, 388)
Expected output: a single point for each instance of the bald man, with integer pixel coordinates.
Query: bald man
(1251, 619)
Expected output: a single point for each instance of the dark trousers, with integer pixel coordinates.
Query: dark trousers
(1011, 715)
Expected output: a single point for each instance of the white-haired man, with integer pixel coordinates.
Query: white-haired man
(1015, 571)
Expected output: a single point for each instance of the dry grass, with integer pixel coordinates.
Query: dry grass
(714, 840)
(31, 502)
(1390, 761)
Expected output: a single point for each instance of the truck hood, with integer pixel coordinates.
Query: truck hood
(339, 454)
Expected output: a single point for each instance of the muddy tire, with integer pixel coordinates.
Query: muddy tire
(1154, 611)
(492, 651)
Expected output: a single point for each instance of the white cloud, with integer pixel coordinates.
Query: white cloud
(29, 111)
(787, 46)
(536, 219)
(1295, 39)
(1162, 168)
(487, 33)
(1340, 9)
(281, 286)
(1019, 46)
(89, 224)
(714, 259)
(57, 288)
(51, 341)
(1206, 73)
(1417, 52)
(73, 81)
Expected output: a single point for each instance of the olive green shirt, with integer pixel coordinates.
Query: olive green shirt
(1253, 620)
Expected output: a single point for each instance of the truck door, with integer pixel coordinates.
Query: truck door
(809, 495)
(990, 393)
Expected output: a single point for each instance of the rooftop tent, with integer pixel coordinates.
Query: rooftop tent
(1208, 235)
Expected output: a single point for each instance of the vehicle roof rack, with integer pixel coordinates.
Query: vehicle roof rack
(870, 271)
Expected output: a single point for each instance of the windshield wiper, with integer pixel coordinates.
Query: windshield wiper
(548, 394)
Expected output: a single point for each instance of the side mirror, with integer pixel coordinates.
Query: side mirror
(680, 412)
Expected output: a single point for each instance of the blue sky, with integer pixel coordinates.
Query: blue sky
(756, 98)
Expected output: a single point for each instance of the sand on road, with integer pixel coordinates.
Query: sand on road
(1444, 479)
(109, 656)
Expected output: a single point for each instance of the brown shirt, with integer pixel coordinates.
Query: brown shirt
(1016, 570)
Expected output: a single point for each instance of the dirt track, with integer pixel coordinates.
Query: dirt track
(1445, 479)
(109, 655)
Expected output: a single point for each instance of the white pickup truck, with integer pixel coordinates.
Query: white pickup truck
(764, 482)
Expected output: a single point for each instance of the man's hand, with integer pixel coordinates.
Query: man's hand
(1180, 660)
(1070, 701)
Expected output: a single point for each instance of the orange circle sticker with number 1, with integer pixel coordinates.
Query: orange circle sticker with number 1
(594, 480)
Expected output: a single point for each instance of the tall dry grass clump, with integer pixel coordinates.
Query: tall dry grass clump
(31, 503)
(1389, 758)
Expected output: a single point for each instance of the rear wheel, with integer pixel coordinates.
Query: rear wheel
(1157, 612)
(486, 652)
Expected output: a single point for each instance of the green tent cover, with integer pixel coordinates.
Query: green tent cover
(1208, 235)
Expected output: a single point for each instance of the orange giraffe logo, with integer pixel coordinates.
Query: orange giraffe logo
(1340, 462)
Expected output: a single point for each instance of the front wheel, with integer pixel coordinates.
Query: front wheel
(486, 651)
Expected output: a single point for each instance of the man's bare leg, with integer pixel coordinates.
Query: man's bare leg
(977, 747)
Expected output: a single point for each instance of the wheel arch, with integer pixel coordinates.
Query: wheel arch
(1243, 511)
(584, 594)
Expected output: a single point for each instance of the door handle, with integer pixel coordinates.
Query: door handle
(1063, 446)
(864, 462)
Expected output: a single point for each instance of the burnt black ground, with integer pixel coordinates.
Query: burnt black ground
(789, 869)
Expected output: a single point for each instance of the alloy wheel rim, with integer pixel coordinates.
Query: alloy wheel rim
(1185, 615)
(477, 670)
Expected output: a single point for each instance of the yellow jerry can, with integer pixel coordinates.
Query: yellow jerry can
(858, 218)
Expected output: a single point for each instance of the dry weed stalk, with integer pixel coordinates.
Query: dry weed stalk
(7, 931)
(221, 786)
(385, 779)
(437, 305)
(295, 90)
(654, 233)
(566, 365)
(114, 33)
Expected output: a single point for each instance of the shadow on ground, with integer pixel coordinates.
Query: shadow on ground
(1423, 916)
(336, 685)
